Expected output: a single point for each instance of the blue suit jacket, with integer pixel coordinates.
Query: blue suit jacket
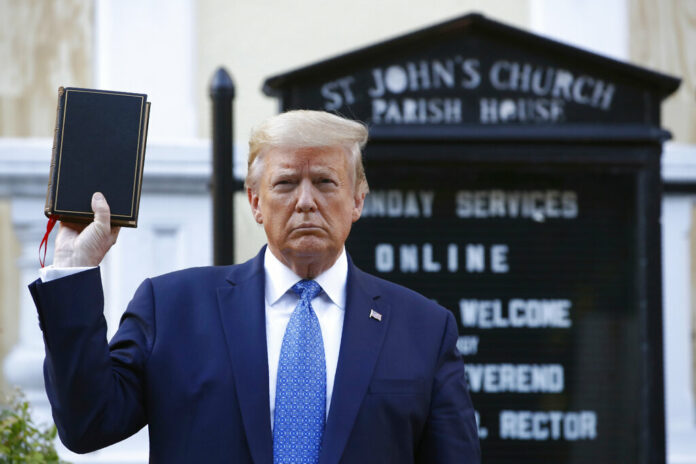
(190, 360)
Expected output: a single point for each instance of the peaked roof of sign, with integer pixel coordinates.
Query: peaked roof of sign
(663, 83)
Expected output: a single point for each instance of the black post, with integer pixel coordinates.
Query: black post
(222, 94)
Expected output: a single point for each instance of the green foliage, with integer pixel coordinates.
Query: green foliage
(21, 441)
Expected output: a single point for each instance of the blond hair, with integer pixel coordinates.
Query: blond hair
(305, 129)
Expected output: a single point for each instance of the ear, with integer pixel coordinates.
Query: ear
(359, 201)
(253, 198)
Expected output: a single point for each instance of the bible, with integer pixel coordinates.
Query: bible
(98, 146)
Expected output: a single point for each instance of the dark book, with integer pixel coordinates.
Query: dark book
(98, 146)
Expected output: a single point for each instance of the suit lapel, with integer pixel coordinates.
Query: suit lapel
(242, 312)
(361, 343)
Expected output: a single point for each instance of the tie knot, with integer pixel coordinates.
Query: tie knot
(306, 289)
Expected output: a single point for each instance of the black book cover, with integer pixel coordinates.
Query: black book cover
(99, 146)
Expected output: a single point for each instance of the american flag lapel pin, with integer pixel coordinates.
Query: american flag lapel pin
(375, 315)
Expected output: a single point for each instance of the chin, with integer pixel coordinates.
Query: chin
(309, 247)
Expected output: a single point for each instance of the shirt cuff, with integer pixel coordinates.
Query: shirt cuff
(50, 273)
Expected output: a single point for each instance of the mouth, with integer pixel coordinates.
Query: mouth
(307, 228)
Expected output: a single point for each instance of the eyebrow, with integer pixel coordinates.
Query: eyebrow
(290, 171)
(324, 170)
(284, 172)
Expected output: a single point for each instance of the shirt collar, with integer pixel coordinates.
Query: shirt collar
(280, 279)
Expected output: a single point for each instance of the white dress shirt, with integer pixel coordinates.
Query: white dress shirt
(50, 273)
(280, 302)
(329, 307)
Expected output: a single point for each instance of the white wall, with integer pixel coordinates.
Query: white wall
(679, 165)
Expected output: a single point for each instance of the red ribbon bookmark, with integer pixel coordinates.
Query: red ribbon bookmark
(44, 243)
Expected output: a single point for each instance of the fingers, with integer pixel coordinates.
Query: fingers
(114, 234)
(76, 226)
(102, 213)
(86, 244)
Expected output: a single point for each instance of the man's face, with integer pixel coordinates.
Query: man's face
(306, 200)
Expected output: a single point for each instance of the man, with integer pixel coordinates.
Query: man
(293, 356)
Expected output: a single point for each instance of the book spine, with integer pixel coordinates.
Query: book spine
(53, 172)
(146, 123)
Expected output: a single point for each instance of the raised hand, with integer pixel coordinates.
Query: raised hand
(85, 245)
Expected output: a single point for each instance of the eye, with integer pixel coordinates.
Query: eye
(325, 182)
(283, 183)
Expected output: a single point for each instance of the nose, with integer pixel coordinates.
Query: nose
(305, 200)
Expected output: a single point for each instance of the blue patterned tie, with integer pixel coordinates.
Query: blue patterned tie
(300, 404)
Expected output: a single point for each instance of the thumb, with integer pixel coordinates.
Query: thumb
(102, 213)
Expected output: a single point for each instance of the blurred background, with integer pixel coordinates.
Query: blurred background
(170, 49)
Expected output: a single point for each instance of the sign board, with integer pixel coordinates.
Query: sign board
(515, 180)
